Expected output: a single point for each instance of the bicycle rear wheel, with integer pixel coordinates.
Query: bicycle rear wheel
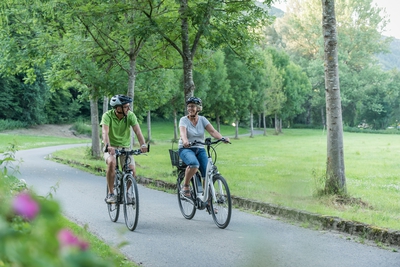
(131, 202)
(113, 208)
(186, 205)
(221, 207)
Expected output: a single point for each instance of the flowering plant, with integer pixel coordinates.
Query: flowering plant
(32, 233)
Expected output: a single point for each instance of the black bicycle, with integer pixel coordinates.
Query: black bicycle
(126, 190)
(213, 194)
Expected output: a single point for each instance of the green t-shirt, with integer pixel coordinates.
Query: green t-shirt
(119, 130)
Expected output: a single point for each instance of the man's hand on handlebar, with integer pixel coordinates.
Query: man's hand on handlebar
(109, 149)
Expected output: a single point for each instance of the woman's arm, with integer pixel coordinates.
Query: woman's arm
(214, 133)
(183, 134)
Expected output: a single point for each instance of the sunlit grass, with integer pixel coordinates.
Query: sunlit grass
(288, 169)
(31, 141)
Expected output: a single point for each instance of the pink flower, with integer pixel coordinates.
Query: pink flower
(24, 205)
(68, 239)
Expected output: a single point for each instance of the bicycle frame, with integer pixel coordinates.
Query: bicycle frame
(203, 196)
(211, 170)
(126, 190)
(215, 197)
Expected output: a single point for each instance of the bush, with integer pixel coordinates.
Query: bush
(10, 125)
(32, 232)
(82, 128)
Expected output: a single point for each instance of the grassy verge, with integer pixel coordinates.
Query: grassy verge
(289, 169)
(30, 141)
(96, 245)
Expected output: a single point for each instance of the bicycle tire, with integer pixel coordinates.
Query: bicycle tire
(131, 202)
(113, 208)
(187, 206)
(221, 208)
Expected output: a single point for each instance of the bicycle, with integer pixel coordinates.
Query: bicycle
(216, 198)
(126, 190)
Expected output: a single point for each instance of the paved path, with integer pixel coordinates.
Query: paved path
(164, 238)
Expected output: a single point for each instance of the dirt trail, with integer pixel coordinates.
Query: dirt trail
(62, 130)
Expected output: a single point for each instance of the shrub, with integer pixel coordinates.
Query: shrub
(82, 128)
(10, 125)
(32, 232)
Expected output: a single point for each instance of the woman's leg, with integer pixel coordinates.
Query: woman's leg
(203, 161)
(189, 157)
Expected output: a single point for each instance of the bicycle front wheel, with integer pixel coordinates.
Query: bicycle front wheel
(113, 208)
(131, 202)
(221, 206)
(186, 204)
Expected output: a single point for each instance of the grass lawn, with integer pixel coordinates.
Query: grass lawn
(31, 141)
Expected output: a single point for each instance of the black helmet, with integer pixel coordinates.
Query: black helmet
(119, 100)
(194, 100)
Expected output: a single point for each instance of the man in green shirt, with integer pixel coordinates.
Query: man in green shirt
(116, 132)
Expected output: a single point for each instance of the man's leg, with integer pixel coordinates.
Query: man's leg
(110, 174)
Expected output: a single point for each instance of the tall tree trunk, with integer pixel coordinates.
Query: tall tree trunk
(94, 118)
(251, 125)
(236, 129)
(323, 117)
(276, 124)
(133, 54)
(105, 104)
(187, 53)
(148, 126)
(335, 171)
(217, 117)
(175, 125)
(308, 114)
(265, 124)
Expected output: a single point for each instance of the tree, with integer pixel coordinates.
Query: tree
(296, 88)
(259, 69)
(335, 170)
(213, 24)
(240, 79)
(360, 26)
(219, 100)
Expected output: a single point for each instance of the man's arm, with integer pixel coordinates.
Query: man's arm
(140, 138)
(104, 133)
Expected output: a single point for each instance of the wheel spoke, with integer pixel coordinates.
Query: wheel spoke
(113, 209)
(221, 206)
(186, 204)
(131, 203)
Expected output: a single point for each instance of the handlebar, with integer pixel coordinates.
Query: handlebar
(208, 142)
(122, 151)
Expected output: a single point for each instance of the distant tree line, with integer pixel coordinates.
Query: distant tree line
(58, 60)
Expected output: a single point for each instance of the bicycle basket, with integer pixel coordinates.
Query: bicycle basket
(173, 154)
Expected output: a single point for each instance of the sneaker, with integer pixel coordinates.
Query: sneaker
(111, 198)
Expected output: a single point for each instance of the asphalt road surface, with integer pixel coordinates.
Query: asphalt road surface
(164, 238)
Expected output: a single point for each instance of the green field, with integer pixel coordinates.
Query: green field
(288, 170)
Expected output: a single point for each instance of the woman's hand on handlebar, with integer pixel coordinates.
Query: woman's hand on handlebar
(186, 143)
(226, 140)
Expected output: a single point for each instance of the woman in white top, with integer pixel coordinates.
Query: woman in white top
(192, 128)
